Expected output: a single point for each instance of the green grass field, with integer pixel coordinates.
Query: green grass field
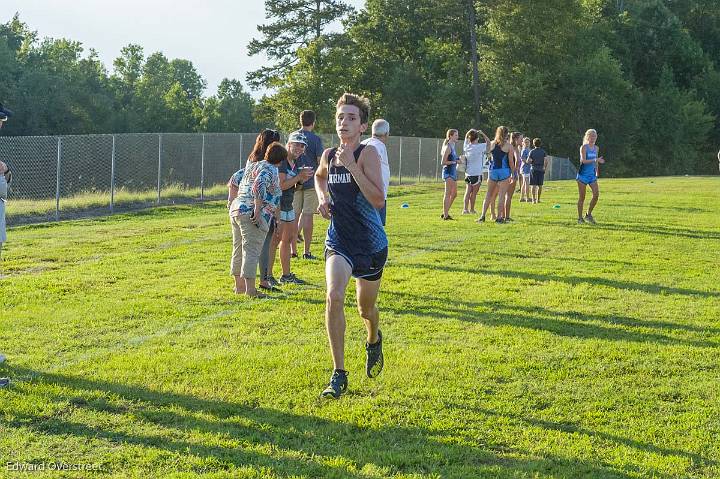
(540, 349)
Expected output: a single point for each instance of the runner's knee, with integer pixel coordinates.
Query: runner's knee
(367, 311)
(335, 296)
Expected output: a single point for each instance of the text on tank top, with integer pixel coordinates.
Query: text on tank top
(355, 225)
(590, 154)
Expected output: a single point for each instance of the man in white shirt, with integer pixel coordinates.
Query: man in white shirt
(380, 134)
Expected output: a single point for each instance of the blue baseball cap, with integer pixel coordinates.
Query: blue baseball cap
(5, 113)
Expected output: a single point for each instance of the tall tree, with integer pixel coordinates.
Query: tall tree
(231, 110)
(293, 24)
(472, 26)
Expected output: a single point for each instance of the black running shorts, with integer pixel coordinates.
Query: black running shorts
(366, 266)
(537, 178)
(473, 180)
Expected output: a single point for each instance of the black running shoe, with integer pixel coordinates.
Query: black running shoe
(499, 220)
(374, 362)
(269, 288)
(309, 256)
(481, 219)
(338, 385)
(4, 382)
(290, 279)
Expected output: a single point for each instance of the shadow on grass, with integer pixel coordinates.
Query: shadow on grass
(637, 228)
(660, 230)
(696, 459)
(569, 279)
(495, 313)
(229, 434)
(545, 256)
(679, 209)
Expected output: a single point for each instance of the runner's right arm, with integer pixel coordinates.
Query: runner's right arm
(446, 155)
(583, 157)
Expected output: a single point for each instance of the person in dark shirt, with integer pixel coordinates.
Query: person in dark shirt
(305, 199)
(538, 163)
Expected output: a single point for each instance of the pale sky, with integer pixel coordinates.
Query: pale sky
(213, 34)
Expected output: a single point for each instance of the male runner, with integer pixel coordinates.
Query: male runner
(350, 191)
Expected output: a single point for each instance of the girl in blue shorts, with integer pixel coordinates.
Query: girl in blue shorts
(450, 161)
(502, 165)
(588, 175)
(516, 139)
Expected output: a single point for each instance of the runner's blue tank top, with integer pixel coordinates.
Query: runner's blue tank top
(499, 159)
(355, 225)
(452, 156)
(588, 168)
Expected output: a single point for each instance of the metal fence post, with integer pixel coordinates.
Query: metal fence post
(202, 170)
(112, 176)
(241, 151)
(419, 157)
(437, 160)
(400, 169)
(159, 165)
(57, 180)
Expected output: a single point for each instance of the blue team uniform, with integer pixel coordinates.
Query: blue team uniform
(450, 171)
(356, 232)
(587, 170)
(499, 164)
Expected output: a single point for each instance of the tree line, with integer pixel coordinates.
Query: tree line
(56, 87)
(644, 73)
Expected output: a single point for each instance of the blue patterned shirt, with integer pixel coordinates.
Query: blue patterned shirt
(260, 180)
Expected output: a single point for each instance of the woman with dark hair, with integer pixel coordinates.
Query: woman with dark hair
(252, 213)
(502, 164)
(264, 139)
(473, 155)
(450, 161)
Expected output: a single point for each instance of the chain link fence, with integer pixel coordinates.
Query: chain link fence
(61, 177)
